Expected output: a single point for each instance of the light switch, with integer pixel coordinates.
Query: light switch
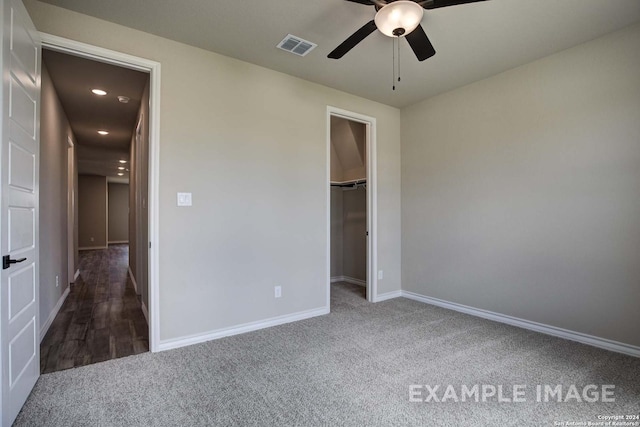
(184, 199)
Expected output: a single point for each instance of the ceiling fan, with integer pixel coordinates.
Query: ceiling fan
(398, 18)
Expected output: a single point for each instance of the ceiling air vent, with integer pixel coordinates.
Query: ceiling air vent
(296, 45)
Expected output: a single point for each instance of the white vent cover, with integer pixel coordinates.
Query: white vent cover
(296, 45)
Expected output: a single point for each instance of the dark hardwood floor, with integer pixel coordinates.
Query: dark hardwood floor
(101, 318)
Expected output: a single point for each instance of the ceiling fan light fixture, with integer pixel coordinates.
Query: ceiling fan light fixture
(399, 18)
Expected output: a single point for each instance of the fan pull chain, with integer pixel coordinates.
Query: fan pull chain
(395, 46)
(393, 54)
(398, 59)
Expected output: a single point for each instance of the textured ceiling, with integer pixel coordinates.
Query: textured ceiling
(74, 78)
(472, 41)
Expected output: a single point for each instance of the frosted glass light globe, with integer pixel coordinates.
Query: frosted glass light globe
(399, 18)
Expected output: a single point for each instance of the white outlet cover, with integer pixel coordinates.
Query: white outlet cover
(380, 275)
(184, 199)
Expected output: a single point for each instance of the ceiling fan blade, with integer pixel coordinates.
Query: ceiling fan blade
(435, 4)
(420, 44)
(379, 3)
(353, 40)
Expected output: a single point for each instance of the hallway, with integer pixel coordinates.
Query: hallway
(101, 318)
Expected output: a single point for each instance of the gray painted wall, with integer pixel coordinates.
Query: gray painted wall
(348, 149)
(250, 144)
(92, 211)
(354, 251)
(139, 207)
(143, 208)
(520, 193)
(54, 131)
(133, 213)
(118, 212)
(348, 233)
(74, 206)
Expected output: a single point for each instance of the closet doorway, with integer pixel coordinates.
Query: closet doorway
(351, 194)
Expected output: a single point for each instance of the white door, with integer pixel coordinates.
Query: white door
(19, 162)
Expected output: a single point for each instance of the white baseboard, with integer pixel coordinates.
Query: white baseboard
(388, 295)
(348, 279)
(117, 242)
(76, 275)
(145, 312)
(591, 340)
(54, 313)
(133, 280)
(92, 248)
(240, 329)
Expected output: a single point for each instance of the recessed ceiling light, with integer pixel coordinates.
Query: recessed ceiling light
(123, 99)
(103, 132)
(99, 92)
(120, 174)
(121, 168)
(122, 161)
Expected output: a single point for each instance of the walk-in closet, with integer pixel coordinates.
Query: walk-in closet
(348, 204)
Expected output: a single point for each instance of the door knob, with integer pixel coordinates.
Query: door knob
(7, 261)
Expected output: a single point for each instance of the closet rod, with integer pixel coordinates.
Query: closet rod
(349, 184)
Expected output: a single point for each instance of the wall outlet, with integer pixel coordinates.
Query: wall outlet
(278, 291)
(57, 281)
(380, 275)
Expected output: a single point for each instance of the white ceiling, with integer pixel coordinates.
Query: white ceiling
(472, 41)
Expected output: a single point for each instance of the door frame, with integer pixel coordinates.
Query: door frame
(95, 53)
(372, 199)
